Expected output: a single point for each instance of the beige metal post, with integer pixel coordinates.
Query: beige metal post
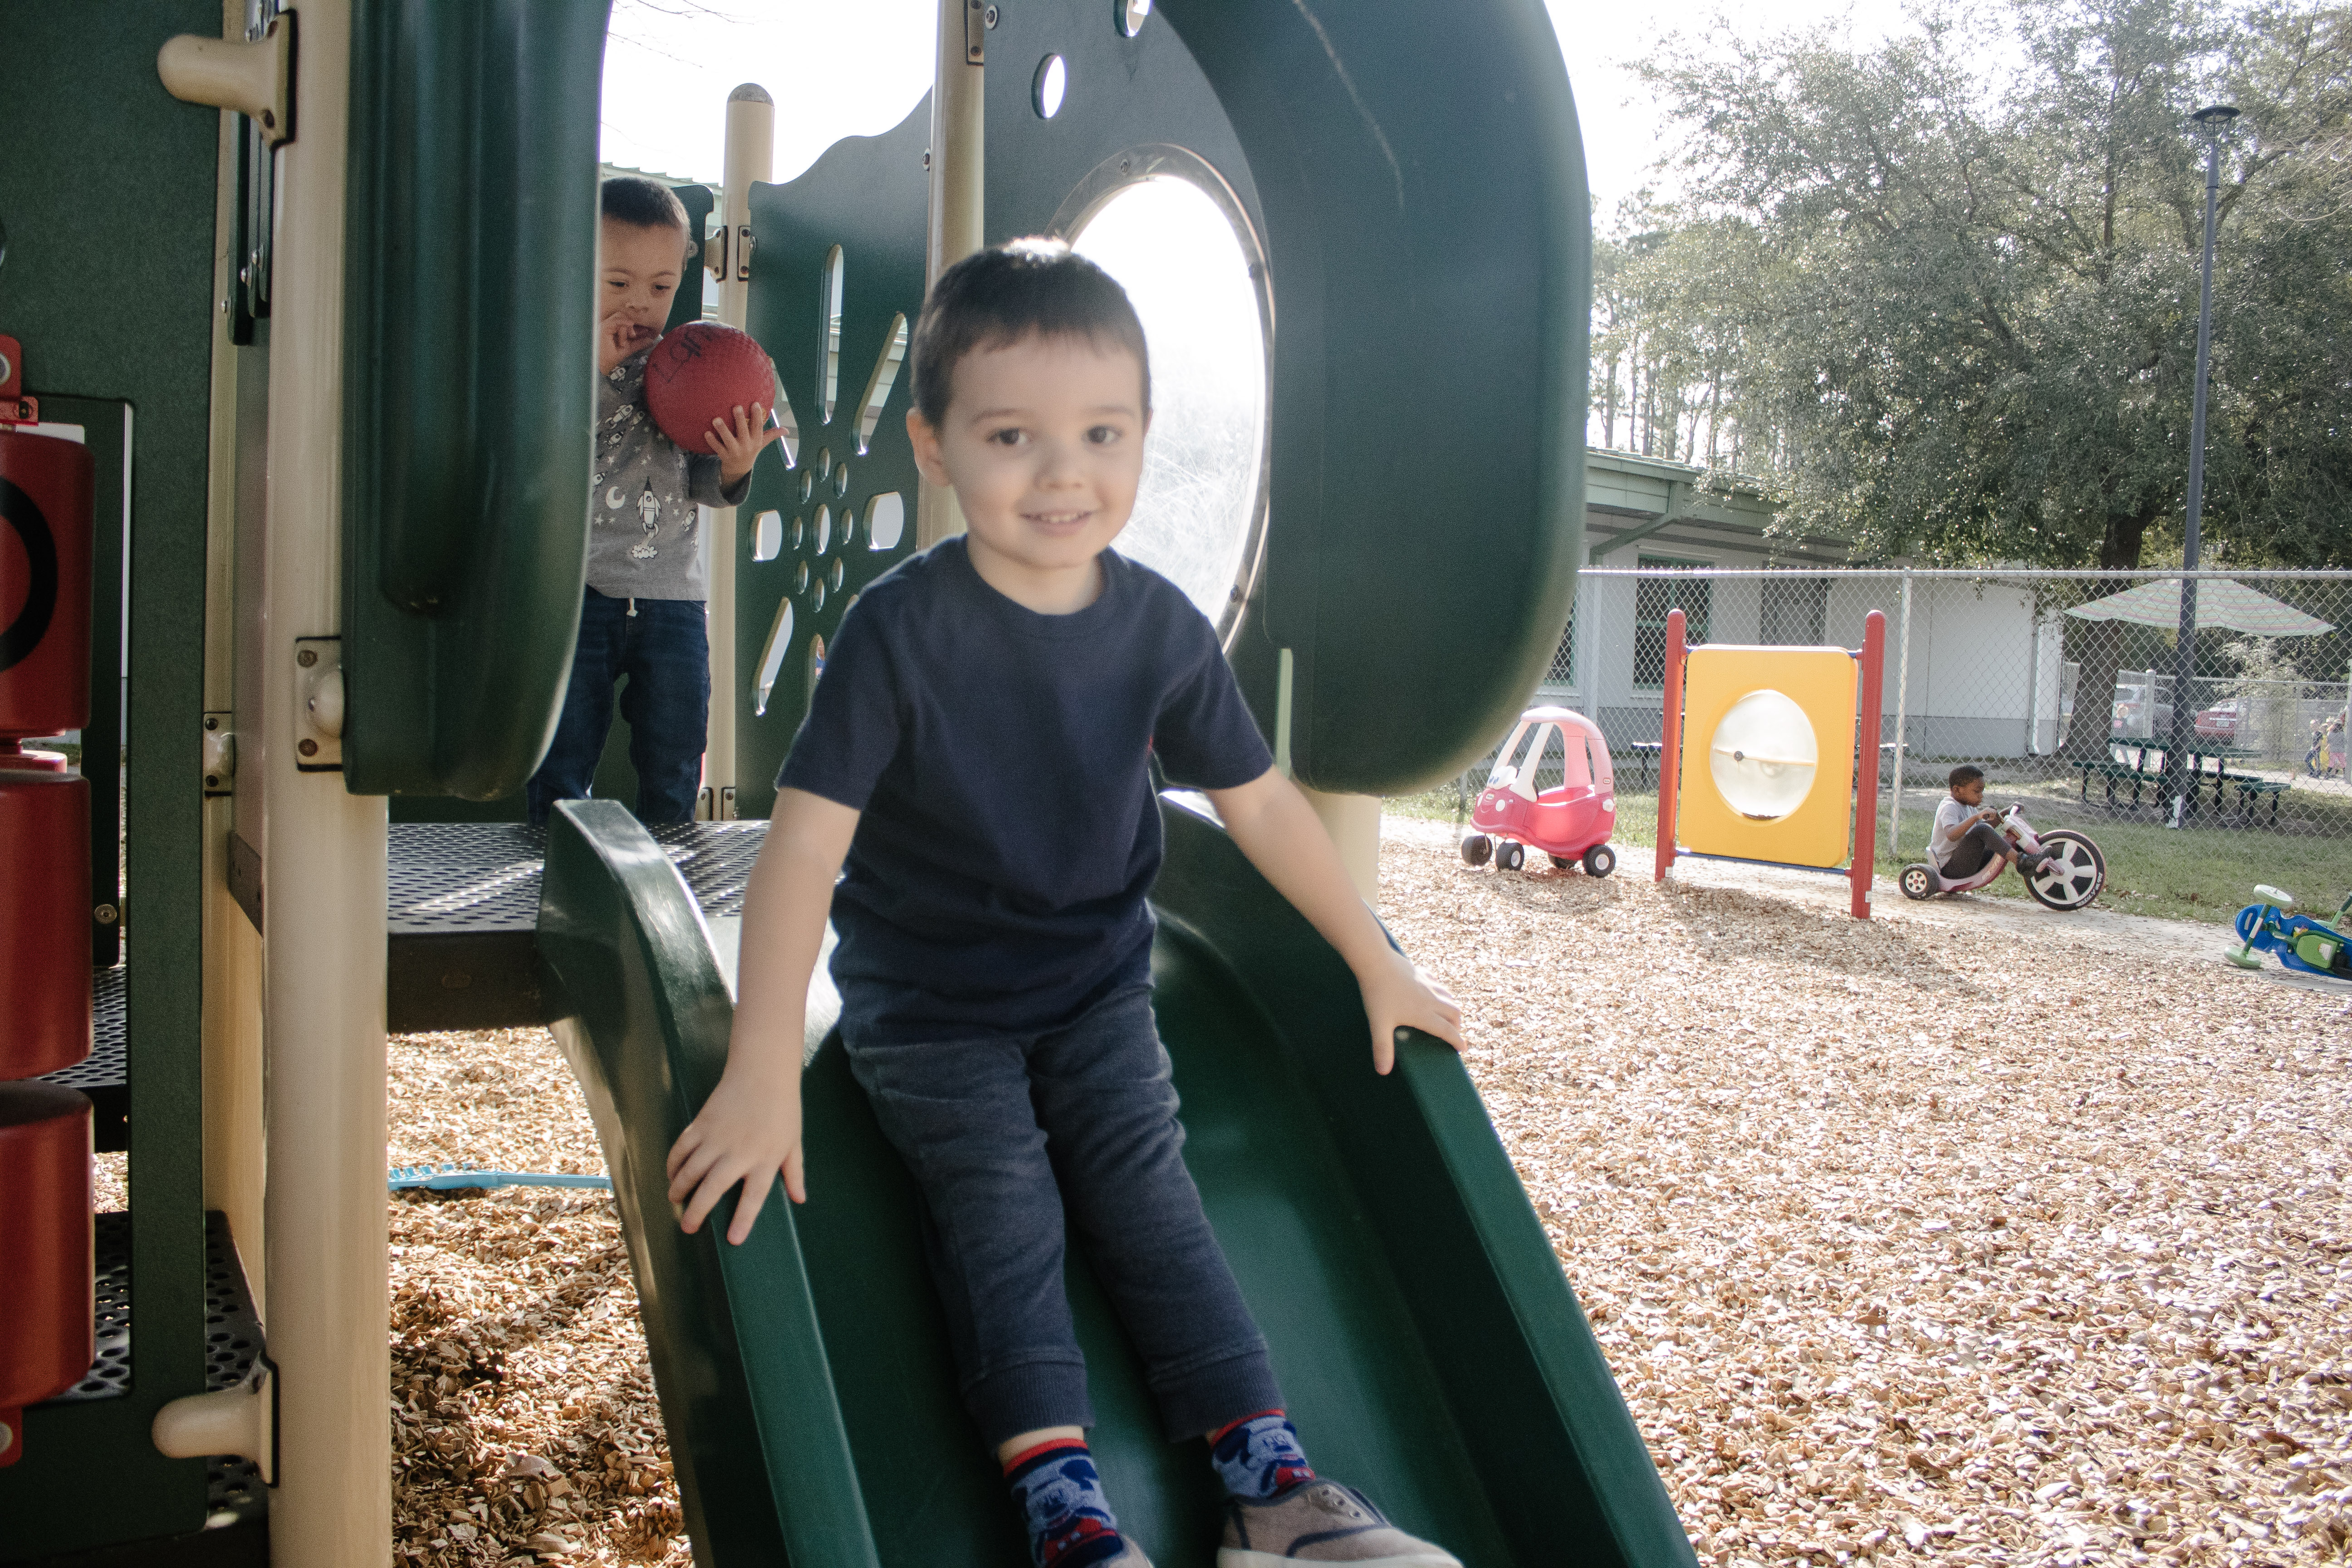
(751, 157)
(958, 209)
(232, 950)
(1353, 821)
(323, 863)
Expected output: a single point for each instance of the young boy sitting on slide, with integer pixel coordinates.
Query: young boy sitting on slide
(1964, 839)
(977, 752)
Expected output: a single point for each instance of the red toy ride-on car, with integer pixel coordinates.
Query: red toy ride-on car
(1569, 822)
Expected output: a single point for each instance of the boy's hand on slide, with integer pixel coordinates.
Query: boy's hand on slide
(737, 447)
(1398, 995)
(746, 1133)
(617, 338)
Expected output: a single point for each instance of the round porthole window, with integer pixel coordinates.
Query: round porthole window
(1183, 263)
(1050, 86)
(1763, 756)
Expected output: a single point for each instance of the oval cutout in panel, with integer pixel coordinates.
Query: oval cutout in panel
(1131, 14)
(771, 657)
(801, 578)
(1185, 266)
(1763, 756)
(841, 480)
(886, 520)
(828, 336)
(808, 484)
(768, 536)
(1050, 86)
(823, 529)
(833, 576)
(800, 532)
(878, 385)
(817, 597)
(849, 527)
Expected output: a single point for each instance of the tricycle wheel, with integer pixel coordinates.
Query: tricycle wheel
(1599, 860)
(1476, 849)
(1917, 882)
(1509, 856)
(1560, 862)
(2072, 875)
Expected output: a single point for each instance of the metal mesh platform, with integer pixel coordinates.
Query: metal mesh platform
(463, 902)
(105, 1074)
(232, 1332)
(484, 877)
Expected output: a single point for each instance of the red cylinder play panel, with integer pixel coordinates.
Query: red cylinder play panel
(46, 485)
(45, 904)
(48, 1251)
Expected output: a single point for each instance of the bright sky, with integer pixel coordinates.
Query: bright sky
(855, 67)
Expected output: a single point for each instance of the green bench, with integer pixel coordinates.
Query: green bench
(2114, 773)
(2251, 791)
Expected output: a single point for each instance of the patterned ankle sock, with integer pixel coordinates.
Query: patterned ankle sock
(1259, 1456)
(1061, 1498)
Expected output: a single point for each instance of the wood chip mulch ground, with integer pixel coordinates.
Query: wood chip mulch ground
(1907, 1243)
(524, 1423)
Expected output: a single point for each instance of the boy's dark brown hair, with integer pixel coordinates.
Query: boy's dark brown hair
(1010, 291)
(1967, 772)
(644, 204)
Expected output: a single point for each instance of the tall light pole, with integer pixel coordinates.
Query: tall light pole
(2177, 784)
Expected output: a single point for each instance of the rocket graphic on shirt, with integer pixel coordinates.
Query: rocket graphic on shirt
(649, 511)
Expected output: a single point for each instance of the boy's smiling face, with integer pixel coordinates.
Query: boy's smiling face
(640, 268)
(1043, 444)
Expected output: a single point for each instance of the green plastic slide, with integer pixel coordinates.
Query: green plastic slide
(1429, 1346)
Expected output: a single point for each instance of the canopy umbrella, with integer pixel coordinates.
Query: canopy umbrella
(2219, 602)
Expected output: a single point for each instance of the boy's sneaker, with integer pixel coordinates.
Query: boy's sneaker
(1320, 1521)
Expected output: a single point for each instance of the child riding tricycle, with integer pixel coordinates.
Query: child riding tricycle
(1970, 844)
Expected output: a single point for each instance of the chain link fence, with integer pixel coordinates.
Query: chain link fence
(2064, 688)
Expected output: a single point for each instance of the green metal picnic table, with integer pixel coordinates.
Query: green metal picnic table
(2249, 786)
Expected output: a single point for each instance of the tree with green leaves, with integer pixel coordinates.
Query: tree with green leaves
(1970, 327)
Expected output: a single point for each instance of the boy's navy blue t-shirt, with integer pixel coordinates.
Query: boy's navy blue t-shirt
(1000, 758)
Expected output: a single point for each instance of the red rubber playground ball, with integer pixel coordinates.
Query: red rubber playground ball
(701, 371)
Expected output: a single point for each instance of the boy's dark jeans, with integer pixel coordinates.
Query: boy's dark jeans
(1978, 846)
(987, 1126)
(663, 651)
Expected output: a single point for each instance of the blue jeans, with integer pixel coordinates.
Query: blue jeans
(662, 648)
(1006, 1138)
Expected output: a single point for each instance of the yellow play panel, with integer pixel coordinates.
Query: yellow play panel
(1767, 755)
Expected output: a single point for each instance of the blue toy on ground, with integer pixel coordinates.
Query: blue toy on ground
(2301, 942)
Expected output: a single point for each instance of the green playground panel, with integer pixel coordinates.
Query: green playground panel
(107, 198)
(1416, 178)
(1416, 182)
(1430, 1346)
(866, 194)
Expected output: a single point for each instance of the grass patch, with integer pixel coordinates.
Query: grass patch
(2206, 872)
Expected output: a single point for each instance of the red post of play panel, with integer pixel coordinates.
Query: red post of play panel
(1865, 799)
(1670, 747)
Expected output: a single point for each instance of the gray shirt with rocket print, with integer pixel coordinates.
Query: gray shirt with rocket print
(644, 539)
